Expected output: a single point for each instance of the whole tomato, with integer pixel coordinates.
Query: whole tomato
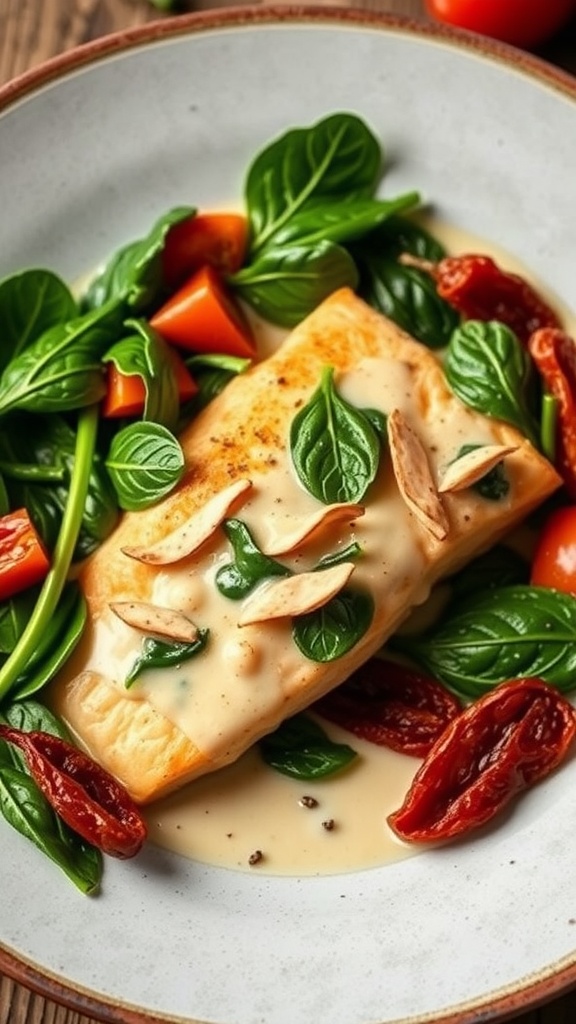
(554, 563)
(524, 23)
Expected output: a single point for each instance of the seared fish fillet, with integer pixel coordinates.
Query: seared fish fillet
(155, 576)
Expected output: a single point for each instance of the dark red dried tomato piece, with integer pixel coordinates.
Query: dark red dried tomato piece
(554, 354)
(390, 705)
(504, 742)
(480, 290)
(81, 792)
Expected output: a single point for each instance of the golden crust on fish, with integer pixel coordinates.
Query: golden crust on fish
(172, 725)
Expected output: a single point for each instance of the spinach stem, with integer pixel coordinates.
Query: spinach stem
(548, 424)
(54, 583)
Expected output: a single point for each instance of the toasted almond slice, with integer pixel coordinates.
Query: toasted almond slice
(295, 595)
(328, 515)
(155, 620)
(470, 468)
(194, 532)
(414, 476)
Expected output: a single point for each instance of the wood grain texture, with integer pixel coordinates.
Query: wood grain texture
(32, 31)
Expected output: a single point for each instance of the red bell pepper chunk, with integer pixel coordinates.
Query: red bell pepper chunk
(203, 317)
(218, 239)
(126, 393)
(23, 557)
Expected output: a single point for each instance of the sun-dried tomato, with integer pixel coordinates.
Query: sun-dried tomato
(554, 354)
(387, 704)
(504, 742)
(480, 290)
(81, 792)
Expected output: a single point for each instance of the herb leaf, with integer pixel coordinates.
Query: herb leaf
(61, 370)
(31, 302)
(286, 283)
(335, 449)
(505, 633)
(164, 654)
(334, 629)
(489, 370)
(145, 462)
(134, 275)
(338, 156)
(340, 220)
(143, 353)
(249, 567)
(301, 749)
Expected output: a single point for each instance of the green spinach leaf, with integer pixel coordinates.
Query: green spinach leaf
(286, 283)
(134, 275)
(335, 449)
(489, 370)
(144, 354)
(338, 156)
(31, 302)
(145, 462)
(249, 566)
(61, 370)
(334, 629)
(157, 653)
(505, 633)
(340, 219)
(47, 444)
(301, 749)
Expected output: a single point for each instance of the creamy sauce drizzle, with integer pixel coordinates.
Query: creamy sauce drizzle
(226, 817)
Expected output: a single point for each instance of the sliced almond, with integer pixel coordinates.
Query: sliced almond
(328, 515)
(470, 468)
(414, 476)
(194, 532)
(295, 595)
(155, 620)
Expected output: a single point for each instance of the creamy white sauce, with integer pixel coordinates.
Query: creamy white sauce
(228, 816)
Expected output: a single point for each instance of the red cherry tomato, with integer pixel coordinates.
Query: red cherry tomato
(524, 23)
(554, 563)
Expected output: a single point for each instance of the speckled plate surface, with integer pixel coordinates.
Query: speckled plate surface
(93, 147)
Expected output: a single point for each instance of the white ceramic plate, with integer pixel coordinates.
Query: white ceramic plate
(93, 147)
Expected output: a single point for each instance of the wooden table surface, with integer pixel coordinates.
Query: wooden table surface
(32, 31)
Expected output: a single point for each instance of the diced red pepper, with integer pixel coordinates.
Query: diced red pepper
(507, 740)
(203, 317)
(81, 792)
(390, 705)
(23, 557)
(218, 239)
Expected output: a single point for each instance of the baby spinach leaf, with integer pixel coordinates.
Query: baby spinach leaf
(134, 275)
(145, 462)
(286, 283)
(48, 443)
(400, 234)
(59, 641)
(31, 302)
(301, 749)
(335, 449)
(61, 370)
(489, 370)
(352, 550)
(249, 566)
(501, 634)
(27, 810)
(408, 296)
(340, 220)
(157, 653)
(52, 587)
(144, 353)
(338, 156)
(334, 629)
